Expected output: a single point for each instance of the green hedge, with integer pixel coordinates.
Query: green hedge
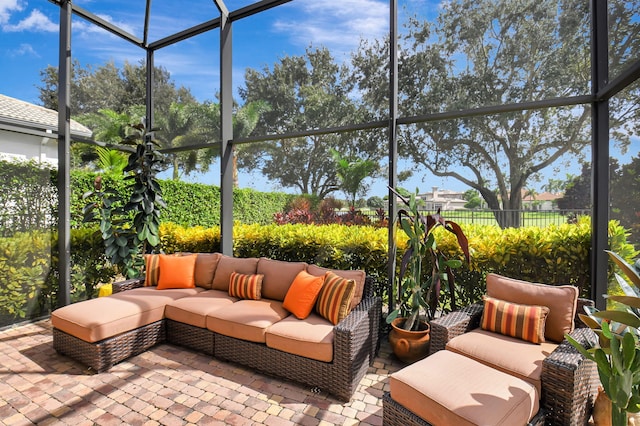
(554, 254)
(189, 204)
(29, 272)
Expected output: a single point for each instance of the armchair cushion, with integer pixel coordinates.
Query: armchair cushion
(524, 322)
(507, 354)
(561, 301)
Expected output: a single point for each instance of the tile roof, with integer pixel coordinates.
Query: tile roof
(25, 114)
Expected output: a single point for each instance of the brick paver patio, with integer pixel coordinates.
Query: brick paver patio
(167, 385)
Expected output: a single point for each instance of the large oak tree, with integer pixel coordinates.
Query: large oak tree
(485, 53)
(304, 92)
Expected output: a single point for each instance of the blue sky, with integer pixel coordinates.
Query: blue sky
(29, 43)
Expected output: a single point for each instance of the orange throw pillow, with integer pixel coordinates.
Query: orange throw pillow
(526, 322)
(335, 297)
(176, 271)
(302, 294)
(245, 286)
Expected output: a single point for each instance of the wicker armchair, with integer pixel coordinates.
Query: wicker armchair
(569, 381)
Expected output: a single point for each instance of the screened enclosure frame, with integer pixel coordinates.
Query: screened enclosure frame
(601, 91)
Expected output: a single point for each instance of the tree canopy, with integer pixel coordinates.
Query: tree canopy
(478, 54)
(305, 92)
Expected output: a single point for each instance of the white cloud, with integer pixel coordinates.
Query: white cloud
(25, 49)
(338, 26)
(7, 7)
(36, 21)
(87, 28)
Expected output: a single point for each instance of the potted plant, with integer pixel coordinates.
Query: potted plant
(129, 223)
(417, 295)
(617, 354)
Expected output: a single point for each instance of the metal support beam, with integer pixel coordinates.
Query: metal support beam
(105, 25)
(150, 104)
(64, 154)
(226, 148)
(255, 8)
(393, 146)
(600, 153)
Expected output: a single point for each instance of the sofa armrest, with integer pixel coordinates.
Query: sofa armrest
(357, 335)
(454, 324)
(127, 284)
(570, 381)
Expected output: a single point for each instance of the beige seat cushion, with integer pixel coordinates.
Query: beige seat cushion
(509, 354)
(193, 310)
(449, 389)
(561, 301)
(227, 265)
(205, 269)
(311, 337)
(356, 274)
(278, 276)
(247, 319)
(96, 319)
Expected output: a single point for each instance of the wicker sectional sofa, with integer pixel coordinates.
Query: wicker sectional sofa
(256, 332)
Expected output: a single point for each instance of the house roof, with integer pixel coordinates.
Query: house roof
(543, 196)
(16, 114)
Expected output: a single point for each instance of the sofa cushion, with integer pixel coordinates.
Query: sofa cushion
(525, 322)
(206, 264)
(334, 300)
(302, 294)
(96, 319)
(356, 275)
(227, 265)
(247, 319)
(245, 286)
(561, 301)
(193, 310)
(176, 271)
(278, 276)
(311, 337)
(508, 354)
(449, 389)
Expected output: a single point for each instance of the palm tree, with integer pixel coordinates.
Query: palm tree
(351, 174)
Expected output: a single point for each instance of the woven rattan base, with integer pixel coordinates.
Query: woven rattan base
(199, 339)
(102, 355)
(394, 414)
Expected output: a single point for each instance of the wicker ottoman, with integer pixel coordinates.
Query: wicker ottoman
(451, 389)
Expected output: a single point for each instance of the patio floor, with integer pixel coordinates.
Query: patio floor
(167, 385)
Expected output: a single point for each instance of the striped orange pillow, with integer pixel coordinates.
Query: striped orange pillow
(152, 269)
(335, 297)
(524, 322)
(245, 286)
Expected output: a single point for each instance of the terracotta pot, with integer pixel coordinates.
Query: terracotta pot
(602, 411)
(409, 346)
